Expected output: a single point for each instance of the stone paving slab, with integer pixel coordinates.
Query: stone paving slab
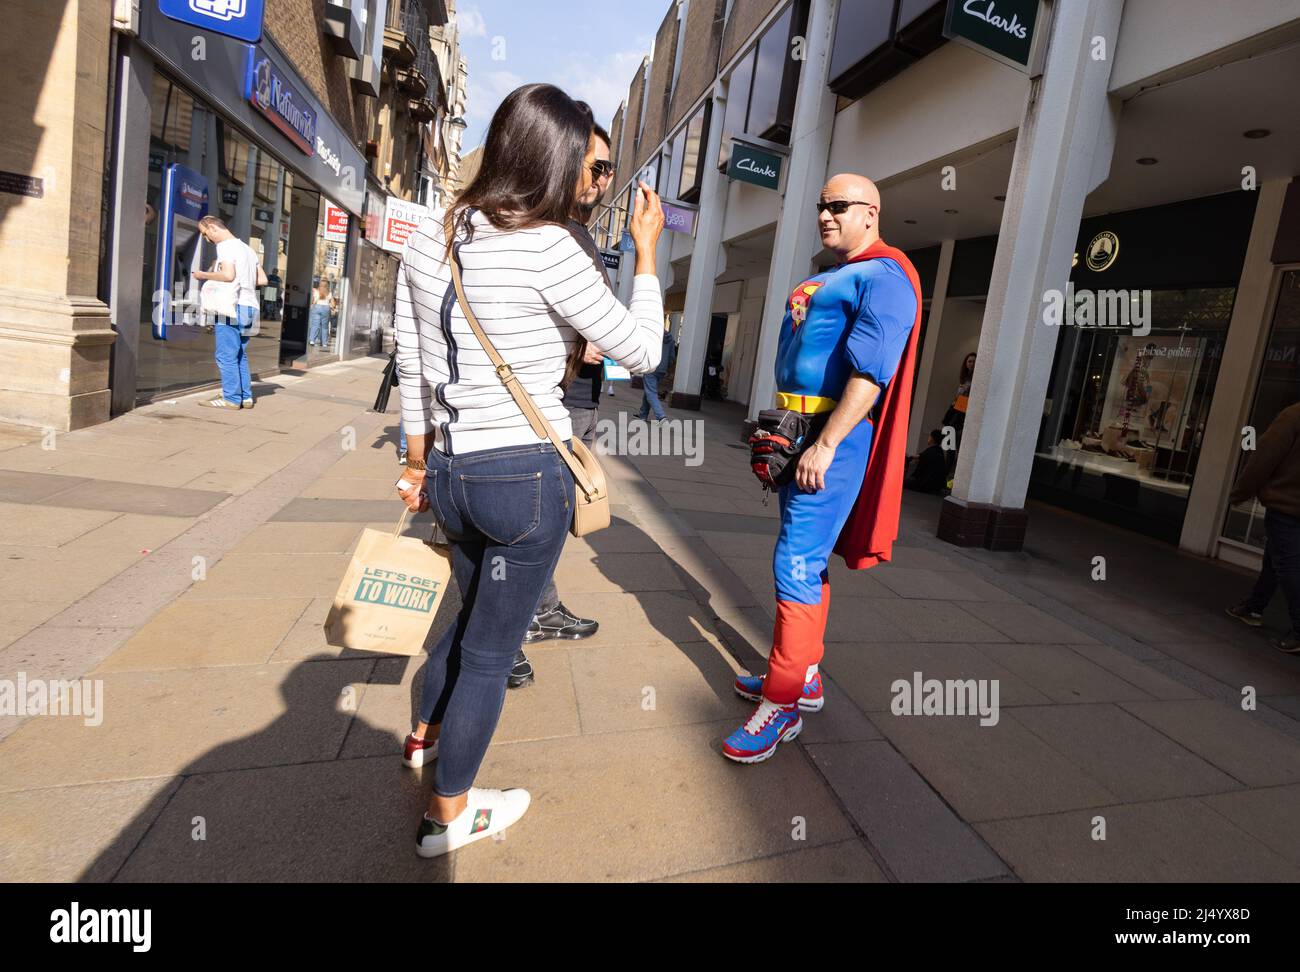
(915, 833)
(1062, 674)
(907, 619)
(1237, 664)
(30, 487)
(992, 772)
(77, 833)
(41, 526)
(1269, 815)
(273, 575)
(1169, 841)
(1231, 739)
(1125, 755)
(1022, 622)
(137, 498)
(847, 862)
(181, 722)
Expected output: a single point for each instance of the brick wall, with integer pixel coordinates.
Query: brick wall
(296, 27)
(627, 163)
(746, 15)
(700, 56)
(661, 77)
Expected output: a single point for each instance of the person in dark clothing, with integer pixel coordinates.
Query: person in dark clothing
(930, 472)
(651, 383)
(1272, 475)
(582, 398)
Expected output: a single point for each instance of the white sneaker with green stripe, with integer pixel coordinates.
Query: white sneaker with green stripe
(487, 813)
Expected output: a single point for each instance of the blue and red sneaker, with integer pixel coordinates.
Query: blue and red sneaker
(751, 687)
(758, 738)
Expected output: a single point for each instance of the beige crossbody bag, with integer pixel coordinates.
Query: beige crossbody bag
(591, 498)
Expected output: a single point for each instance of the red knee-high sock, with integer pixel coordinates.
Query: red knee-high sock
(796, 644)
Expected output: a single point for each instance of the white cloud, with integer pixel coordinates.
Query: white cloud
(471, 22)
(603, 82)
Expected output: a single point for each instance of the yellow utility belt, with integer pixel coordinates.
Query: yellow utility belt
(806, 404)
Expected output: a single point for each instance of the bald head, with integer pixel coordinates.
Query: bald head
(848, 233)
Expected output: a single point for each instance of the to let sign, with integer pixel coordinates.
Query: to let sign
(753, 165)
(1000, 29)
(401, 219)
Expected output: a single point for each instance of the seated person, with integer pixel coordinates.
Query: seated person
(930, 471)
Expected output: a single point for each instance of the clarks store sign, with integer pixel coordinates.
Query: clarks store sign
(275, 98)
(1000, 29)
(753, 165)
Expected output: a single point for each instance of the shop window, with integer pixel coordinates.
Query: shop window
(776, 76)
(740, 82)
(1126, 413)
(669, 189)
(1279, 387)
(694, 137)
(877, 40)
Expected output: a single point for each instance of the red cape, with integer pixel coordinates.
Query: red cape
(869, 534)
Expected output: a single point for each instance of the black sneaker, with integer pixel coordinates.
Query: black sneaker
(522, 673)
(561, 624)
(1290, 644)
(1245, 615)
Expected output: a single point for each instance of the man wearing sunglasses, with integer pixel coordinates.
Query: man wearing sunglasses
(581, 398)
(844, 364)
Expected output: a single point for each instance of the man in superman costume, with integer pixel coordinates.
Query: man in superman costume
(847, 347)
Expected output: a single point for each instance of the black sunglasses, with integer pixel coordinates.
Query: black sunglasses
(601, 168)
(838, 207)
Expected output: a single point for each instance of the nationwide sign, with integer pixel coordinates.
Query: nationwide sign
(1000, 29)
(754, 165)
(275, 98)
(240, 19)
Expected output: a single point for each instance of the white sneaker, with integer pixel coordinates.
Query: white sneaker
(488, 813)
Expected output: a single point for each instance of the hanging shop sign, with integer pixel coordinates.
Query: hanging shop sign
(240, 19)
(679, 219)
(1001, 29)
(255, 86)
(336, 224)
(754, 165)
(401, 218)
(269, 92)
(611, 259)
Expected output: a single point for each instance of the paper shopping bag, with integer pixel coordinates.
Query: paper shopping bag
(389, 595)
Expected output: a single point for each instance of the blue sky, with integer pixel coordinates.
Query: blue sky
(590, 48)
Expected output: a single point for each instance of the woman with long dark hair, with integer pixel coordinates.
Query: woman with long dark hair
(503, 497)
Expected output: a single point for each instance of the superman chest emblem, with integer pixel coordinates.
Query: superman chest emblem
(799, 301)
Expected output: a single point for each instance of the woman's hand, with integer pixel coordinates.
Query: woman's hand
(646, 224)
(592, 355)
(413, 495)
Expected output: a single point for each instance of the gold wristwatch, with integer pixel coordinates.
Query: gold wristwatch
(416, 464)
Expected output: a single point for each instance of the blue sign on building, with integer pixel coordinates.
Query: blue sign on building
(267, 90)
(241, 19)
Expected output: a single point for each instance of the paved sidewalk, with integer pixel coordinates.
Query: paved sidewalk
(187, 557)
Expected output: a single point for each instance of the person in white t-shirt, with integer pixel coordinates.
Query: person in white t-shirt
(233, 281)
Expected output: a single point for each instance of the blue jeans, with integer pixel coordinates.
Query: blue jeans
(506, 513)
(1281, 566)
(232, 355)
(318, 325)
(650, 398)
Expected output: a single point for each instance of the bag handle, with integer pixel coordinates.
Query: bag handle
(542, 428)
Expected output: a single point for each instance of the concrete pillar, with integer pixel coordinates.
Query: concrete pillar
(696, 316)
(925, 367)
(131, 309)
(797, 238)
(1063, 150)
(55, 335)
(1243, 351)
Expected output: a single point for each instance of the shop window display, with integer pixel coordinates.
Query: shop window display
(1127, 412)
(1279, 387)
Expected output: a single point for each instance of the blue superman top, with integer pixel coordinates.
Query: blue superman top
(854, 317)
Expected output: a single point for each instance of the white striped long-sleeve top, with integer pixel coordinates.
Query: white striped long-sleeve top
(533, 291)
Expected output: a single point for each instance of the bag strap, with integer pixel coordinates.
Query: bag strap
(536, 419)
